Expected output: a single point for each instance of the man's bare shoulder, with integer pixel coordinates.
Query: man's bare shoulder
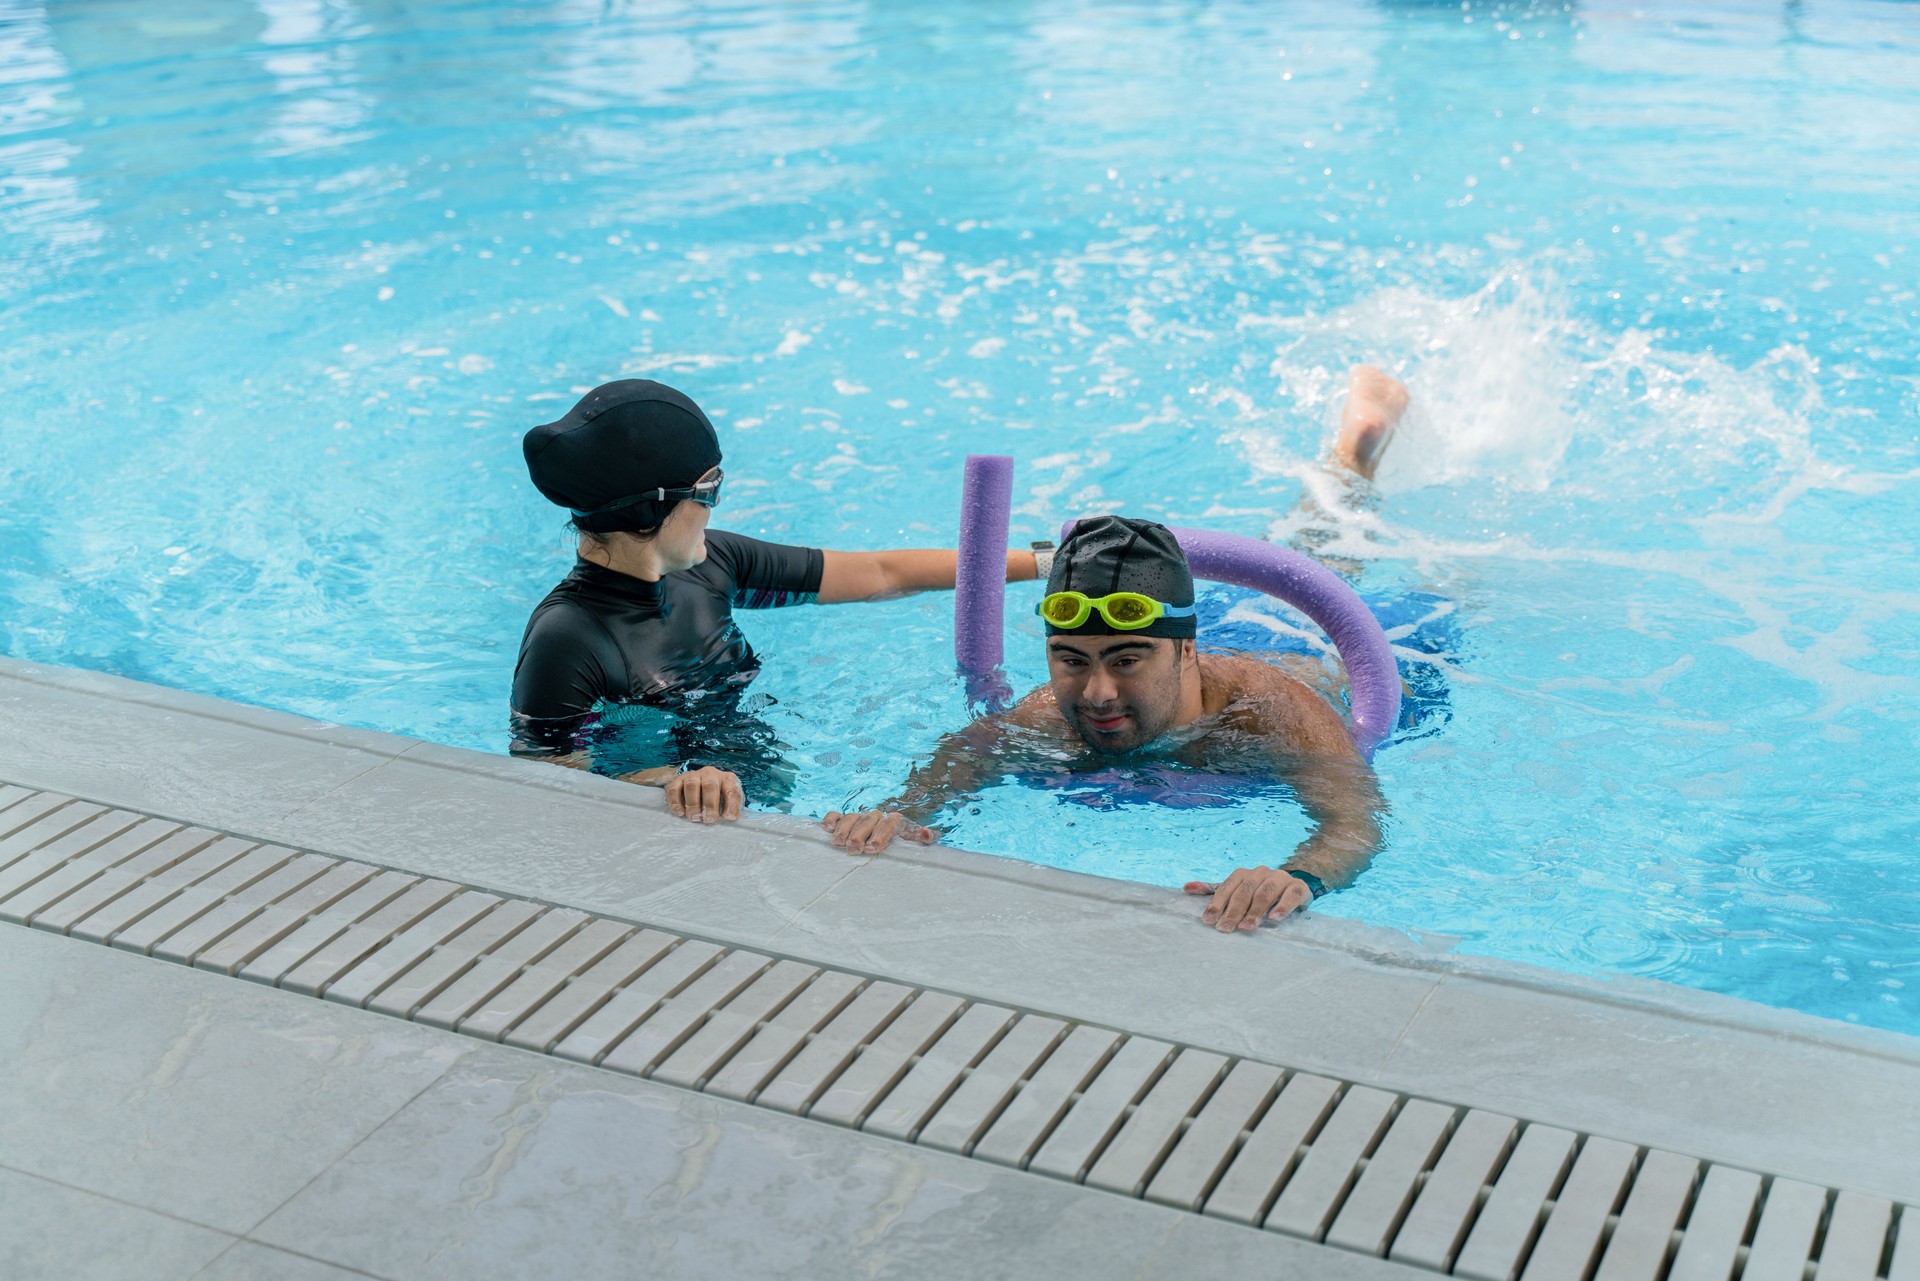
(1270, 701)
(1244, 675)
(1038, 710)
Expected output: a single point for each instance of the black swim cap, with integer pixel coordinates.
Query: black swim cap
(1107, 554)
(623, 439)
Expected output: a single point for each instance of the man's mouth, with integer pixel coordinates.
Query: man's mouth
(1105, 724)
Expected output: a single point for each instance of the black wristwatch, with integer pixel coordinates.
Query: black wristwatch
(1315, 886)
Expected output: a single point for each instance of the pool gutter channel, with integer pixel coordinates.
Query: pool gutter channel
(1370, 1171)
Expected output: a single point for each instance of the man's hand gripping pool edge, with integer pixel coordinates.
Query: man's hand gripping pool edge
(1250, 896)
(871, 831)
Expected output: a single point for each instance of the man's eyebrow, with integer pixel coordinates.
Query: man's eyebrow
(1058, 646)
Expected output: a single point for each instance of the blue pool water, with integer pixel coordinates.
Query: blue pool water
(283, 281)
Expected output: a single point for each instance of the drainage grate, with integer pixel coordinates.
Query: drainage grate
(1459, 1191)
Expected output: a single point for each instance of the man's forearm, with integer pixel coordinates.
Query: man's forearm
(962, 764)
(1335, 858)
(1344, 803)
(918, 804)
(929, 789)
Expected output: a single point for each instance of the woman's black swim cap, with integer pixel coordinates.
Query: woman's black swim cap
(622, 440)
(1107, 554)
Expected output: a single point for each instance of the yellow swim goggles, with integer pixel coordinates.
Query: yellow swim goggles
(1124, 611)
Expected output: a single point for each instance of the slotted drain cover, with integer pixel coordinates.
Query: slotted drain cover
(1455, 1190)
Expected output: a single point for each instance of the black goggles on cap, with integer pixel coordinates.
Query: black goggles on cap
(706, 493)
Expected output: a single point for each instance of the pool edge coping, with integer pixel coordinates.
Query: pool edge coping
(1367, 943)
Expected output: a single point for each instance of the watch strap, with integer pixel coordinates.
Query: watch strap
(1315, 886)
(1043, 558)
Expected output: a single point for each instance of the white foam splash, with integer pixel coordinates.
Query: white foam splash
(1538, 437)
(1493, 386)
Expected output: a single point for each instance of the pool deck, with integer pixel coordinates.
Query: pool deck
(160, 1121)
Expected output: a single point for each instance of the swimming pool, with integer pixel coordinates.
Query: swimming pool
(284, 281)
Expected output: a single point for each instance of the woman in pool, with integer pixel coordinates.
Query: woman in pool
(642, 630)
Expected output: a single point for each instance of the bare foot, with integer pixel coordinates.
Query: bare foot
(1375, 401)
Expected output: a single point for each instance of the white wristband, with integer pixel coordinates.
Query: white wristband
(1043, 559)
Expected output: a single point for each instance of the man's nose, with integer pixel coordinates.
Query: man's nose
(1101, 688)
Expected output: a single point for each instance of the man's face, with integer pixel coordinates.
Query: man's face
(1117, 692)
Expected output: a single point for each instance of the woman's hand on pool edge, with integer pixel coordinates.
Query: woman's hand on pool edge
(871, 831)
(705, 795)
(1249, 896)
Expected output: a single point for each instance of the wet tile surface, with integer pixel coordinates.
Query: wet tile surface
(372, 1147)
(512, 1166)
(626, 858)
(1191, 1252)
(164, 760)
(1058, 952)
(1667, 1081)
(50, 1232)
(251, 1261)
(185, 1092)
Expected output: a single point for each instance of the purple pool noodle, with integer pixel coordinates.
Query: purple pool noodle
(1373, 678)
(980, 586)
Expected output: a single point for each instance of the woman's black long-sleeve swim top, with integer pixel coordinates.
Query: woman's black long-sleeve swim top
(602, 639)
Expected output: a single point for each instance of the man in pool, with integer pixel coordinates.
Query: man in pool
(644, 622)
(1126, 680)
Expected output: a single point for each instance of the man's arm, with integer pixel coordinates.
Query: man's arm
(1343, 799)
(962, 763)
(1313, 751)
(1340, 793)
(852, 576)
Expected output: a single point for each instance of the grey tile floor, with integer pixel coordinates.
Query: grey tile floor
(167, 1123)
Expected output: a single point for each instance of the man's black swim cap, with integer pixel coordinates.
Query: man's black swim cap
(623, 438)
(1107, 554)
